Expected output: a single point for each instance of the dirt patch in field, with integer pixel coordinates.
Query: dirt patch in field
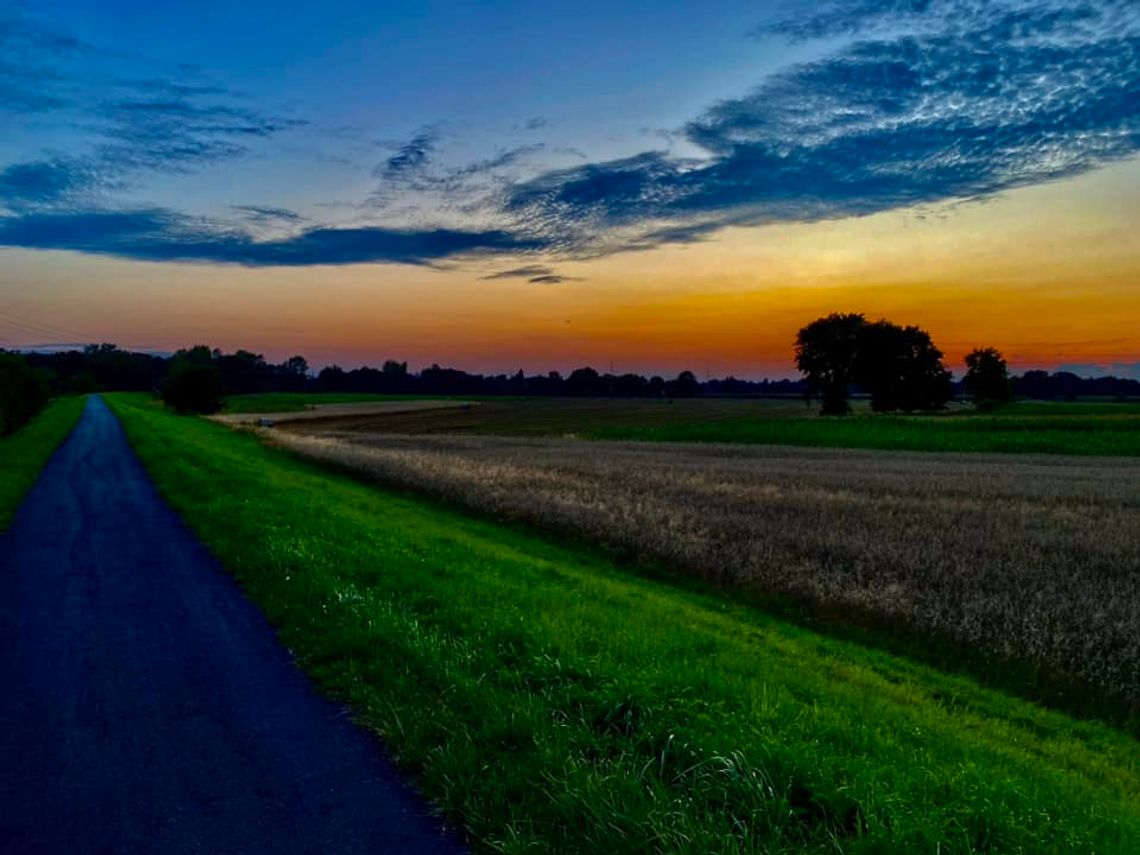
(336, 412)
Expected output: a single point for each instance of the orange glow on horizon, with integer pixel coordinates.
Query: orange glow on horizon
(1050, 275)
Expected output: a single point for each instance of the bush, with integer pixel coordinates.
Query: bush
(24, 391)
(193, 388)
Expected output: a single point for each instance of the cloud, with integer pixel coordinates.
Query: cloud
(41, 182)
(521, 272)
(470, 187)
(552, 279)
(264, 215)
(939, 101)
(158, 234)
(410, 157)
(125, 125)
(907, 103)
(535, 273)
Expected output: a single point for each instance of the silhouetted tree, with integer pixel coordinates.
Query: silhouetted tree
(294, 372)
(900, 367)
(630, 386)
(987, 378)
(826, 350)
(243, 372)
(584, 381)
(685, 386)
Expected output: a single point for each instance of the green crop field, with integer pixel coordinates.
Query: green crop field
(1092, 428)
(551, 701)
(24, 453)
(1072, 430)
(290, 402)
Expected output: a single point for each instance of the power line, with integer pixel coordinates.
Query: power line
(36, 326)
(39, 328)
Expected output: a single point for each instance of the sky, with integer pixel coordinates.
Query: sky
(637, 186)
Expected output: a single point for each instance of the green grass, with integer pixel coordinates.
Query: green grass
(1071, 408)
(1023, 429)
(552, 701)
(24, 453)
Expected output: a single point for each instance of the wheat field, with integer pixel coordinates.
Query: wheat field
(1033, 558)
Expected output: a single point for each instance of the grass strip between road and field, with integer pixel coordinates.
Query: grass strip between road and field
(24, 453)
(551, 701)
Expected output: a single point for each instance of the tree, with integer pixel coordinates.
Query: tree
(584, 381)
(987, 378)
(294, 371)
(194, 384)
(826, 350)
(244, 372)
(901, 368)
(685, 386)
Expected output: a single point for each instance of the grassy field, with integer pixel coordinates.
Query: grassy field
(24, 453)
(551, 701)
(1047, 428)
(1031, 562)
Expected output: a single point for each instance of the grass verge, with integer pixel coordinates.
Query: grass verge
(24, 453)
(554, 702)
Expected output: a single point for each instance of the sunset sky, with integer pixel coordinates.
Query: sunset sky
(650, 186)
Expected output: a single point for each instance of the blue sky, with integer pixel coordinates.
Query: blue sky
(397, 132)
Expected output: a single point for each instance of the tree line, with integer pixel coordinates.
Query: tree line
(841, 355)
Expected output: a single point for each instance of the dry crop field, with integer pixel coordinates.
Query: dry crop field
(1033, 558)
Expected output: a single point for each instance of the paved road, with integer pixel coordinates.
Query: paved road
(146, 705)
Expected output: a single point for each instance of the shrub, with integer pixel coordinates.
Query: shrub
(24, 391)
(193, 388)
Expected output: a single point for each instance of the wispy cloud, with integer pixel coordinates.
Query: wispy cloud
(909, 103)
(129, 124)
(552, 279)
(410, 157)
(534, 273)
(930, 101)
(161, 235)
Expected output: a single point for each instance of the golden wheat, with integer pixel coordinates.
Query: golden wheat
(1031, 557)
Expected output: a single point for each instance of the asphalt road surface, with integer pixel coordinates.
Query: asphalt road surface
(147, 706)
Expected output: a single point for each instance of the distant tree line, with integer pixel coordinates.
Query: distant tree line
(899, 368)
